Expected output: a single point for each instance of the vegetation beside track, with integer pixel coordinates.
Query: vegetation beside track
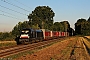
(7, 43)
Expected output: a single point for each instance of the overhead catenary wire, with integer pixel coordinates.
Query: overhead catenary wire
(9, 13)
(12, 10)
(14, 5)
(23, 4)
(10, 16)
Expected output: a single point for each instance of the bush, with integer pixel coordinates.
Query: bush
(6, 36)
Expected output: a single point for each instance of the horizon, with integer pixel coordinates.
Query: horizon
(64, 10)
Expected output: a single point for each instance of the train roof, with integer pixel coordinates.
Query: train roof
(38, 30)
(45, 29)
(26, 28)
(32, 29)
(29, 29)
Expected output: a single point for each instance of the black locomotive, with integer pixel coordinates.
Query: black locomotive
(28, 35)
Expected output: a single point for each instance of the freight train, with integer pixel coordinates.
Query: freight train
(29, 35)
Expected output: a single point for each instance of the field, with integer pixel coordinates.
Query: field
(70, 49)
(7, 43)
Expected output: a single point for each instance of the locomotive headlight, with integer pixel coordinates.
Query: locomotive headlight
(20, 36)
(28, 36)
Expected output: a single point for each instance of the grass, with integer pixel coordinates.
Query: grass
(52, 58)
(21, 54)
(66, 52)
(7, 44)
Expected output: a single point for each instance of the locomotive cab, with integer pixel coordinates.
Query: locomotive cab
(25, 36)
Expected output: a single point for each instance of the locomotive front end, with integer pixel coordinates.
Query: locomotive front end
(24, 36)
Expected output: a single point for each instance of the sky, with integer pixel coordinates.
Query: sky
(14, 11)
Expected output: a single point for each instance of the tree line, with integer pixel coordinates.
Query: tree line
(42, 18)
(6, 36)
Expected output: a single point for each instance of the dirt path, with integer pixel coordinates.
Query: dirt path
(70, 49)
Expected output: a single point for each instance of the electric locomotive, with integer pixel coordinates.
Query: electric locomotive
(29, 35)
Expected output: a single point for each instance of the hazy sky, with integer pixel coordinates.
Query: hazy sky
(14, 11)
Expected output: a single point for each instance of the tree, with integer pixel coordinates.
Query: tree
(79, 25)
(61, 26)
(82, 27)
(57, 26)
(6, 36)
(43, 16)
(66, 26)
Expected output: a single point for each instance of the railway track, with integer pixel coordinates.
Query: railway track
(21, 48)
